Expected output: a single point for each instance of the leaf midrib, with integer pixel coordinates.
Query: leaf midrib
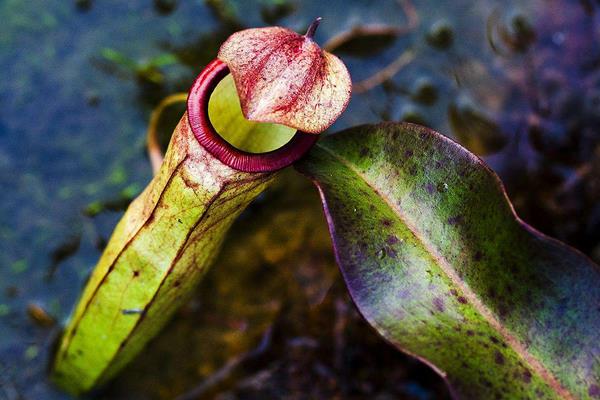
(447, 268)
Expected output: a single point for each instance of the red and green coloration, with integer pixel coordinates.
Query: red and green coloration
(281, 77)
(287, 78)
(439, 264)
(171, 233)
(219, 147)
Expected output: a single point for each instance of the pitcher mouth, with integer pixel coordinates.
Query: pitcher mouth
(215, 144)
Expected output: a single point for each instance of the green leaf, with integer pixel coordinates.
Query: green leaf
(439, 264)
(164, 60)
(118, 58)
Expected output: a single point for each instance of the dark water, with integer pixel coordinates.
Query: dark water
(516, 81)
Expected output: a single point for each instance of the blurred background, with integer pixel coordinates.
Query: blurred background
(517, 82)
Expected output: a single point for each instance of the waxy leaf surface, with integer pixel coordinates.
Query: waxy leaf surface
(157, 254)
(285, 78)
(438, 263)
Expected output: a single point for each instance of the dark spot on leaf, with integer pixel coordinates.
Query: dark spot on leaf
(177, 283)
(594, 391)
(486, 382)
(391, 239)
(494, 340)
(457, 220)
(408, 153)
(430, 188)
(136, 273)
(462, 300)
(499, 358)
(133, 311)
(391, 252)
(438, 303)
(470, 333)
(179, 220)
(526, 376)
(386, 222)
(478, 256)
(453, 292)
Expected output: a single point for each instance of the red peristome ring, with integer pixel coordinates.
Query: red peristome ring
(197, 108)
